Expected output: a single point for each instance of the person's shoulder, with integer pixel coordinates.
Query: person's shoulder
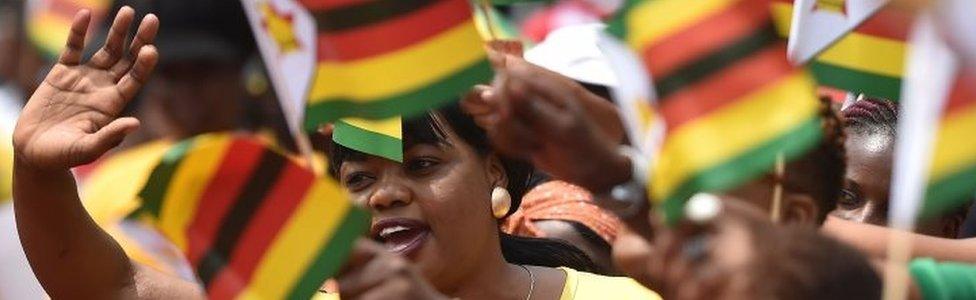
(585, 286)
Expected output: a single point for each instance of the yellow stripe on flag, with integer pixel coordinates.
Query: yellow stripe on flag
(651, 21)
(298, 244)
(867, 53)
(689, 150)
(954, 149)
(390, 127)
(401, 71)
(782, 17)
(188, 184)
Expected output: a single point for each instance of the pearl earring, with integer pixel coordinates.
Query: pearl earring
(501, 202)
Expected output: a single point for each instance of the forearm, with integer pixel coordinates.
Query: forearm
(873, 240)
(69, 253)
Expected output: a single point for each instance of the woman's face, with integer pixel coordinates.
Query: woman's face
(865, 195)
(868, 182)
(434, 208)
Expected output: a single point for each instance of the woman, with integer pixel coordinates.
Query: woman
(441, 208)
(870, 125)
(432, 210)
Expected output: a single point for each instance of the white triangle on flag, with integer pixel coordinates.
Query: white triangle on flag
(817, 24)
(285, 33)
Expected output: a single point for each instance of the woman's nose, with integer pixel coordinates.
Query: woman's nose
(390, 193)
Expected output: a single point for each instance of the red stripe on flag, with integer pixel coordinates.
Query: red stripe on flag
(889, 22)
(705, 37)
(317, 5)
(727, 86)
(275, 211)
(235, 169)
(962, 94)
(394, 34)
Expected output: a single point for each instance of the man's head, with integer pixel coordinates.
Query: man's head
(198, 86)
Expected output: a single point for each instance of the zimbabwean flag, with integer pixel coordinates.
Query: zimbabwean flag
(730, 100)
(251, 222)
(952, 174)
(384, 58)
(870, 59)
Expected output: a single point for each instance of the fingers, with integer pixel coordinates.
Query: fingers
(368, 267)
(76, 38)
(145, 35)
(92, 146)
(111, 52)
(133, 81)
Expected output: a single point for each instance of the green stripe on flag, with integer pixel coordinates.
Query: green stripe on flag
(158, 184)
(368, 142)
(949, 193)
(744, 167)
(331, 257)
(856, 81)
(408, 104)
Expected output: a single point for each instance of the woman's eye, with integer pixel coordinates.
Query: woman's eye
(849, 199)
(421, 165)
(357, 181)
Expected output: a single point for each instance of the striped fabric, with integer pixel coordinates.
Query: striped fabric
(869, 60)
(251, 222)
(378, 59)
(952, 175)
(49, 21)
(730, 100)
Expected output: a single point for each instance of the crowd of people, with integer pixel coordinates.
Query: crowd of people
(510, 192)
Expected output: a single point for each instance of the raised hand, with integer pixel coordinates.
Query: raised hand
(73, 117)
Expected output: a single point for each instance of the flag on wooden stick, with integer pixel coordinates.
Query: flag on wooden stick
(252, 222)
(730, 99)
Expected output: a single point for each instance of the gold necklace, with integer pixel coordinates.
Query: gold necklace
(531, 281)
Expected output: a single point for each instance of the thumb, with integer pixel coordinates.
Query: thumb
(95, 145)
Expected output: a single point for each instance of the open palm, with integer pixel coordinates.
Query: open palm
(73, 117)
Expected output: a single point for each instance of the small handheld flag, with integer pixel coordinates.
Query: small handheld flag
(251, 222)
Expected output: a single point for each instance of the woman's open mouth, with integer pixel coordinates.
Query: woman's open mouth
(402, 236)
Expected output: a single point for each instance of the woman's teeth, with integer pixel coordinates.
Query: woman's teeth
(386, 232)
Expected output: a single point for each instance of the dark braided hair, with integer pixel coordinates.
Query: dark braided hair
(872, 116)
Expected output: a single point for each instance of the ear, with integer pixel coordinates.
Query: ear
(800, 209)
(495, 171)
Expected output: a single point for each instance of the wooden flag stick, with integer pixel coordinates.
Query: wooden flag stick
(486, 13)
(775, 213)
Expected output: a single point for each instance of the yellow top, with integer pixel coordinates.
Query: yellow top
(585, 286)
(6, 166)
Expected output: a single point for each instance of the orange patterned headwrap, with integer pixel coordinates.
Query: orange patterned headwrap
(558, 200)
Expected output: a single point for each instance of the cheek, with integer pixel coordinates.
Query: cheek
(456, 200)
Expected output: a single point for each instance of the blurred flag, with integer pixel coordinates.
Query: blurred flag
(819, 23)
(380, 59)
(6, 167)
(730, 100)
(251, 222)
(49, 21)
(952, 174)
(865, 52)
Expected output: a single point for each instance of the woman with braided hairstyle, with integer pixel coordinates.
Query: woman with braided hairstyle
(871, 125)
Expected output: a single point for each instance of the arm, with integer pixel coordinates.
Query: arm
(72, 119)
(873, 240)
